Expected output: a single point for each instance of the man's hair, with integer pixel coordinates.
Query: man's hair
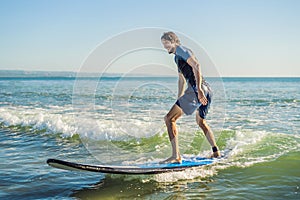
(171, 36)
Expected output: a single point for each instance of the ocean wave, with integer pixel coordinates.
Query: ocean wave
(241, 148)
(95, 122)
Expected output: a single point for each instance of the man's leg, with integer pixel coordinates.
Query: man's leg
(209, 135)
(170, 120)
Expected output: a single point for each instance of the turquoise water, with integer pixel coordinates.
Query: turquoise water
(120, 121)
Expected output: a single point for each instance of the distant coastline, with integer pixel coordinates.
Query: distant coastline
(50, 74)
(73, 75)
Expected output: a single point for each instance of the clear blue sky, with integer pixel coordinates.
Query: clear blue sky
(242, 37)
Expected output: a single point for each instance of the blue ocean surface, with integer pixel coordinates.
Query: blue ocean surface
(119, 120)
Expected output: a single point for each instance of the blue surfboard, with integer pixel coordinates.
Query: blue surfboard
(147, 168)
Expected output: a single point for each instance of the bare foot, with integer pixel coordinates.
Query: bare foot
(216, 154)
(171, 160)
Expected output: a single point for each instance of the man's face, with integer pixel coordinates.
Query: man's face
(169, 46)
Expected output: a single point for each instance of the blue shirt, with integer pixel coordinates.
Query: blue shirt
(182, 54)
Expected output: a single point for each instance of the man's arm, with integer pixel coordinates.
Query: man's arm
(197, 72)
(181, 84)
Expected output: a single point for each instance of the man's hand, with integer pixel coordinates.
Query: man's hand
(201, 97)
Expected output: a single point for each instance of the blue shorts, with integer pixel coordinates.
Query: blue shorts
(189, 101)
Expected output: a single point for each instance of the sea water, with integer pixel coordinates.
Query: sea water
(115, 120)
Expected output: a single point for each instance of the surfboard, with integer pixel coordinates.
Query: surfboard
(147, 168)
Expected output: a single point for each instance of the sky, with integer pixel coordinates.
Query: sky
(241, 37)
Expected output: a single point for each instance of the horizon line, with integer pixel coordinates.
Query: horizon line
(69, 74)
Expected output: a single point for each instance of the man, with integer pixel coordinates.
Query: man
(197, 95)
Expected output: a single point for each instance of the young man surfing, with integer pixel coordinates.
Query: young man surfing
(196, 96)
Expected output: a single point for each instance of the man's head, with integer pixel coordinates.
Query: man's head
(170, 41)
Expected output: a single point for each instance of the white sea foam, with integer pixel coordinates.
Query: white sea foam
(245, 149)
(85, 122)
(38, 118)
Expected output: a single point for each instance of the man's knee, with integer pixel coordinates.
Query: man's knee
(173, 115)
(168, 119)
(202, 123)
